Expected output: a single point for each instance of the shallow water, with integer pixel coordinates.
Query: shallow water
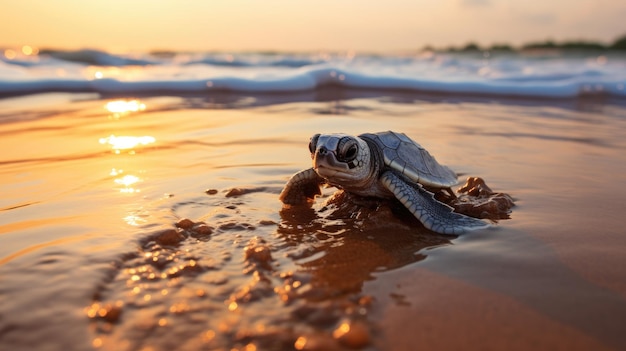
(90, 256)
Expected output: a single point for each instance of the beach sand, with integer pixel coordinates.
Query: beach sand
(94, 251)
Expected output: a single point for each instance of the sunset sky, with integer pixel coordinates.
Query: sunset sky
(235, 25)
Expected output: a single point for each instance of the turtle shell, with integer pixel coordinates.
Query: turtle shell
(410, 159)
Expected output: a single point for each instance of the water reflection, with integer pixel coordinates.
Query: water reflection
(127, 183)
(349, 240)
(125, 106)
(223, 283)
(119, 143)
(134, 220)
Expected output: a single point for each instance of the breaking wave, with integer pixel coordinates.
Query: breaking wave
(515, 75)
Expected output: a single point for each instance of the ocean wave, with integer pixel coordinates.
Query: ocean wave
(102, 58)
(100, 72)
(96, 57)
(256, 61)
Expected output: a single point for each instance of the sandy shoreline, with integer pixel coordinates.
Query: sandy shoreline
(79, 215)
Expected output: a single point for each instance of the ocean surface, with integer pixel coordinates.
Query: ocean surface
(139, 203)
(539, 74)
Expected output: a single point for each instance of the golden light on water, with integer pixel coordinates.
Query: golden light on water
(100, 72)
(119, 108)
(128, 182)
(125, 106)
(126, 142)
(133, 219)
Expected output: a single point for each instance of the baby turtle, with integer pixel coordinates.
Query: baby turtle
(381, 165)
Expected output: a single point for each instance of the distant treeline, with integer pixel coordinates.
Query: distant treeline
(574, 45)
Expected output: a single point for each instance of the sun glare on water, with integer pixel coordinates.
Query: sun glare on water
(124, 106)
(126, 142)
(127, 182)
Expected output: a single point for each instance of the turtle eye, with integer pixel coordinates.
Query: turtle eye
(313, 143)
(350, 153)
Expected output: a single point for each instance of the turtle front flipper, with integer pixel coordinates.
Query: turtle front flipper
(433, 214)
(302, 187)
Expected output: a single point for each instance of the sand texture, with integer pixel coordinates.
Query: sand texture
(160, 228)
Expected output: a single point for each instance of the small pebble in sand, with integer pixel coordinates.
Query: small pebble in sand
(211, 191)
(261, 254)
(236, 192)
(185, 223)
(169, 237)
(353, 334)
(243, 191)
(202, 229)
(258, 254)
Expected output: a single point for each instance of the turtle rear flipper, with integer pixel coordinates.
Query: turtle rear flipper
(302, 187)
(433, 214)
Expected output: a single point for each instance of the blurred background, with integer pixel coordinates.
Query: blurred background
(282, 25)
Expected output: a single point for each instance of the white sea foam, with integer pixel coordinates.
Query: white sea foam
(496, 75)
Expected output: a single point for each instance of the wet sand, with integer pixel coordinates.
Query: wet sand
(161, 228)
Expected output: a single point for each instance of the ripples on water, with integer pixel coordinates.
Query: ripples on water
(241, 279)
(94, 252)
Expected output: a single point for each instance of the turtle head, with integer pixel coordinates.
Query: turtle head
(342, 159)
